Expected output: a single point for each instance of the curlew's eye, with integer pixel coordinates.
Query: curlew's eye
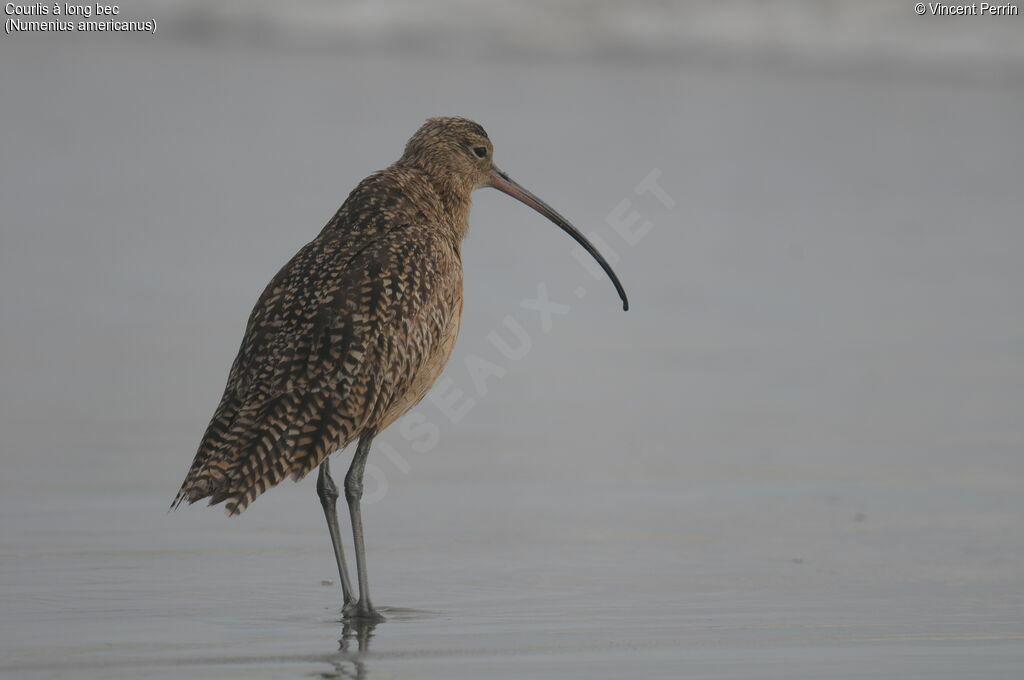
(480, 151)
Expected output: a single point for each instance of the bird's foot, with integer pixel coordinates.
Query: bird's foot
(359, 611)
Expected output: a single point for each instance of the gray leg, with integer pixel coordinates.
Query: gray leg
(353, 492)
(328, 493)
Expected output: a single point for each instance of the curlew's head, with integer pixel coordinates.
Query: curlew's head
(455, 147)
(459, 150)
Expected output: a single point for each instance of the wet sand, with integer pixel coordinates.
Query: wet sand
(798, 455)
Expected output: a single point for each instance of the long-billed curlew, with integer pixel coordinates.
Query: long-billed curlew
(353, 331)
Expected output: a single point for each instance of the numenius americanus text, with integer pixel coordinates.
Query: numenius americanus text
(353, 331)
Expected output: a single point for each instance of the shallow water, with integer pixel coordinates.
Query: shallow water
(798, 455)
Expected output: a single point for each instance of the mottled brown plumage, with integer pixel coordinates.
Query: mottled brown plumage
(338, 339)
(354, 330)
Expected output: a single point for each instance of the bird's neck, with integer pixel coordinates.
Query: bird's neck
(456, 201)
(453, 197)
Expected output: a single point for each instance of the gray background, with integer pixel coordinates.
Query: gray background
(798, 455)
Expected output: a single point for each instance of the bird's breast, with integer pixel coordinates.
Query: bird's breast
(435, 356)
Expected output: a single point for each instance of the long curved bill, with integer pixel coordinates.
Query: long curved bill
(502, 182)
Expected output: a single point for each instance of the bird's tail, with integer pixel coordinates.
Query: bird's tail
(249, 449)
(214, 442)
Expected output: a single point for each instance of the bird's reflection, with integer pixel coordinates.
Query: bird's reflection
(354, 642)
(357, 631)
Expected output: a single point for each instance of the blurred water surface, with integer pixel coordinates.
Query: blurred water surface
(797, 455)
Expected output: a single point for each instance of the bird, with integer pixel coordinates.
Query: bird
(352, 332)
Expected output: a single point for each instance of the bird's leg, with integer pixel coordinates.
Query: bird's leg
(328, 494)
(354, 492)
